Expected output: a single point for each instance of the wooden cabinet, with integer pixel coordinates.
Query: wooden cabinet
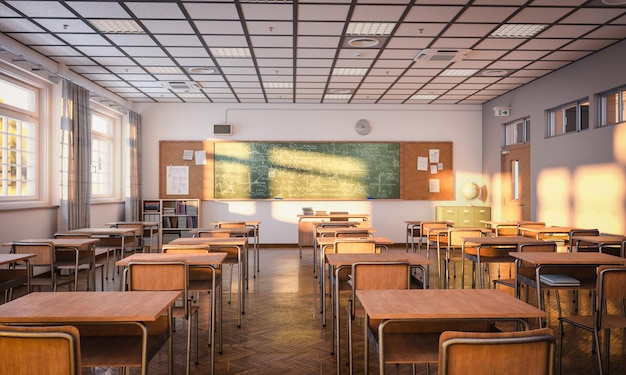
(463, 216)
(177, 216)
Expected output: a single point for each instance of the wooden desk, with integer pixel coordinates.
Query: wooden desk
(151, 227)
(254, 233)
(329, 230)
(12, 278)
(210, 260)
(78, 308)
(306, 229)
(554, 232)
(84, 246)
(242, 246)
(603, 241)
(501, 245)
(108, 232)
(340, 261)
(545, 260)
(440, 304)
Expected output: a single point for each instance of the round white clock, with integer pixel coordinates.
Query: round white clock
(363, 127)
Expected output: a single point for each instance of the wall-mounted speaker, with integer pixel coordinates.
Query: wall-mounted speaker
(222, 129)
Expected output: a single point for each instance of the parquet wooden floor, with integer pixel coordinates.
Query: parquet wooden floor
(281, 331)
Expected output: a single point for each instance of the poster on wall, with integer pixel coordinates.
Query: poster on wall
(177, 180)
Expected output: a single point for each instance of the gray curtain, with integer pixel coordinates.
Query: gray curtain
(133, 188)
(75, 171)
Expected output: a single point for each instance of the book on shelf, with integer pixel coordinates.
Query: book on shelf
(559, 280)
(152, 206)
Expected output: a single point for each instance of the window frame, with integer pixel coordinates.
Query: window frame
(561, 117)
(116, 150)
(39, 117)
(513, 126)
(620, 102)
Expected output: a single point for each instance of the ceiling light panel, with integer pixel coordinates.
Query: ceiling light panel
(117, 26)
(278, 85)
(234, 53)
(424, 97)
(164, 70)
(370, 28)
(518, 30)
(458, 72)
(349, 72)
(337, 96)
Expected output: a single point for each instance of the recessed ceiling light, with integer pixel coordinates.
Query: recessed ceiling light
(458, 72)
(363, 42)
(494, 72)
(370, 28)
(424, 97)
(518, 30)
(202, 70)
(337, 96)
(192, 96)
(117, 26)
(340, 91)
(163, 70)
(349, 72)
(237, 53)
(278, 85)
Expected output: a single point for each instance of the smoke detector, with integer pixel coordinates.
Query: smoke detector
(441, 55)
(182, 86)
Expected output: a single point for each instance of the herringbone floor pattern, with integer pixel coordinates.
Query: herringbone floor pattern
(281, 331)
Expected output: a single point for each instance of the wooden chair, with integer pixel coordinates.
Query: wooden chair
(582, 246)
(506, 230)
(201, 278)
(451, 242)
(610, 289)
(368, 276)
(527, 271)
(41, 350)
(84, 262)
(44, 271)
(495, 353)
(167, 276)
(232, 259)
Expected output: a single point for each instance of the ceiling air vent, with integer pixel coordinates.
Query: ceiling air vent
(182, 86)
(442, 55)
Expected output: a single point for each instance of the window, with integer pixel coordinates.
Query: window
(19, 124)
(613, 107)
(517, 132)
(572, 117)
(105, 168)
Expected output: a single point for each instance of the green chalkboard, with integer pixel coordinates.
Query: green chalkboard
(298, 170)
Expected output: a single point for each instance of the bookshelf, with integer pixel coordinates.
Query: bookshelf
(177, 216)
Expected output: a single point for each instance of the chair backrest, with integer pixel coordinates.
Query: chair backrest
(528, 270)
(491, 353)
(379, 275)
(159, 276)
(169, 248)
(339, 213)
(455, 235)
(44, 252)
(217, 233)
(355, 246)
(72, 235)
(359, 233)
(137, 225)
(583, 246)
(42, 350)
(610, 286)
(506, 230)
(426, 227)
(232, 224)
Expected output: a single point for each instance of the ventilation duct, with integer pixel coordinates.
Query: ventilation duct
(441, 55)
(182, 86)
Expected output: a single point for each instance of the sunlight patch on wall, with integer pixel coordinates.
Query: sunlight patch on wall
(553, 197)
(342, 187)
(315, 162)
(599, 194)
(242, 208)
(238, 183)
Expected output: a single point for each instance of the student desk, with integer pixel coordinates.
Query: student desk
(97, 308)
(253, 232)
(210, 260)
(242, 246)
(340, 261)
(603, 241)
(330, 230)
(439, 304)
(12, 278)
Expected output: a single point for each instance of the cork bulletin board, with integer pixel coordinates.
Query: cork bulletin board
(418, 171)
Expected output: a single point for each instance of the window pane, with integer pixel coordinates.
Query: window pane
(509, 135)
(515, 179)
(584, 115)
(519, 132)
(17, 96)
(570, 119)
(557, 122)
(623, 117)
(610, 104)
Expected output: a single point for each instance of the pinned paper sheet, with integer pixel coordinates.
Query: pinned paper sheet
(433, 155)
(422, 163)
(200, 157)
(187, 154)
(177, 180)
(433, 185)
(433, 169)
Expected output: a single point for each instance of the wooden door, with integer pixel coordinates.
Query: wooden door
(516, 182)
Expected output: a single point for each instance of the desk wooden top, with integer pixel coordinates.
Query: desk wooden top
(332, 230)
(601, 240)
(62, 242)
(231, 241)
(548, 230)
(106, 231)
(194, 259)
(10, 258)
(499, 241)
(345, 259)
(445, 304)
(327, 241)
(247, 231)
(250, 223)
(334, 216)
(566, 258)
(87, 307)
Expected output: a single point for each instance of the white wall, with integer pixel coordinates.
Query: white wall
(579, 178)
(457, 123)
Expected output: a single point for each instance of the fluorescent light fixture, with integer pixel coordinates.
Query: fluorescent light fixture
(518, 30)
(117, 26)
(337, 96)
(278, 85)
(192, 96)
(339, 91)
(163, 70)
(458, 72)
(370, 28)
(349, 72)
(424, 97)
(235, 53)
(202, 70)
